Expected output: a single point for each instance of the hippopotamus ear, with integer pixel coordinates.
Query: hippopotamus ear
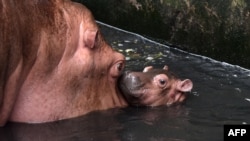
(185, 85)
(90, 37)
(165, 67)
(146, 69)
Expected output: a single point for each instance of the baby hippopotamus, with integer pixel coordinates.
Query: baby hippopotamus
(154, 87)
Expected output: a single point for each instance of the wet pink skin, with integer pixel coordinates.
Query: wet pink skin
(154, 87)
(55, 63)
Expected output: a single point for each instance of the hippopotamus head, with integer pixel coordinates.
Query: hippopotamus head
(153, 87)
(54, 62)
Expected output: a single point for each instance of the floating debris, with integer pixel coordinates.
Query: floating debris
(135, 41)
(127, 41)
(147, 47)
(149, 58)
(238, 89)
(129, 50)
(160, 54)
(120, 45)
(247, 99)
(195, 93)
(235, 75)
(135, 56)
(127, 58)
(120, 50)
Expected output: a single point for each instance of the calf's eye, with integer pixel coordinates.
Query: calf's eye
(162, 81)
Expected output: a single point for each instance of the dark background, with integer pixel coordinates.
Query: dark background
(217, 29)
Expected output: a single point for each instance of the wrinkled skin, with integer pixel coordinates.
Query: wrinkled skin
(54, 63)
(154, 87)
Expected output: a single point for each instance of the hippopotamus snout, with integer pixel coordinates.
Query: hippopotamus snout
(128, 83)
(130, 80)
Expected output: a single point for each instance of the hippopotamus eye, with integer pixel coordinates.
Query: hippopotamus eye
(162, 81)
(120, 66)
(117, 69)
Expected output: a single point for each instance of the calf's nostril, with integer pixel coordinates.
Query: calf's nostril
(126, 72)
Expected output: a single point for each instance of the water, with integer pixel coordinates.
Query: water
(221, 95)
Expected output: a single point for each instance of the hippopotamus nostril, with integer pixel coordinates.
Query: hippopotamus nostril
(123, 75)
(134, 79)
(130, 80)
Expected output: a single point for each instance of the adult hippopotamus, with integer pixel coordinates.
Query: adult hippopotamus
(54, 62)
(154, 87)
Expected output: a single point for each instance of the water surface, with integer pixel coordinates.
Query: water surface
(221, 95)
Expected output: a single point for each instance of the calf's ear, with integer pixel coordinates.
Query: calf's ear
(185, 85)
(146, 69)
(90, 38)
(165, 67)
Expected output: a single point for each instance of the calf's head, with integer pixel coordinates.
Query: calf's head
(153, 87)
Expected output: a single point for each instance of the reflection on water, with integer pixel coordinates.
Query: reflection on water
(221, 95)
(111, 125)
